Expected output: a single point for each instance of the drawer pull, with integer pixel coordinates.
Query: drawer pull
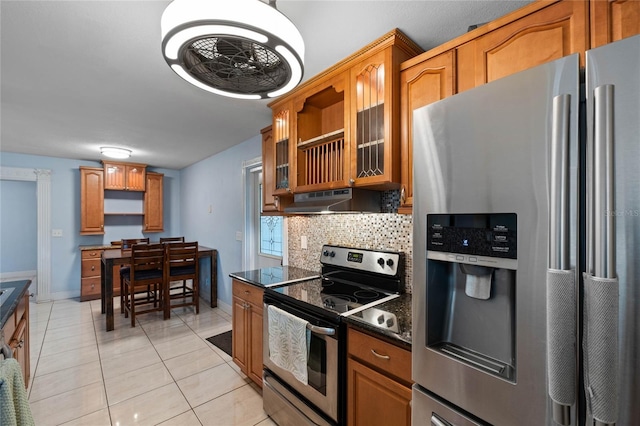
(93, 268)
(387, 357)
(246, 292)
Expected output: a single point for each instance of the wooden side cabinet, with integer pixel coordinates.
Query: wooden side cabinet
(378, 381)
(91, 201)
(90, 275)
(247, 329)
(124, 176)
(153, 203)
(16, 334)
(421, 82)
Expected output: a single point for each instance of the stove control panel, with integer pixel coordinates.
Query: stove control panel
(381, 262)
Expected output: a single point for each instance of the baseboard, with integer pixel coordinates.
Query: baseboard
(224, 307)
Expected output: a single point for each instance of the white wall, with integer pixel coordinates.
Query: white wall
(212, 207)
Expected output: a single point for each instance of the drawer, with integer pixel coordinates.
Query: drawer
(90, 287)
(248, 292)
(91, 254)
(390, 359)
(90, 268)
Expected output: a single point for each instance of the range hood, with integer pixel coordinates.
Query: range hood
(349, 200)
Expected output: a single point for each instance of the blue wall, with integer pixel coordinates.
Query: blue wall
(18, 226)
(217, 182)
(65, 215)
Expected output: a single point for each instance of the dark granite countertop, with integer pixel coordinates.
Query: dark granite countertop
(397, 310)
(275, 276)
(10, 303)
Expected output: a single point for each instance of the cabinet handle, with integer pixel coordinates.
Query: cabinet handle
(403, 195)
(246, 292)
(352, 182)
(93, 268)
(276, 202)
(387, 357)
(93, 286)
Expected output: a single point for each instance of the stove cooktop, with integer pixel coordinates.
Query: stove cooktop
(336, 297)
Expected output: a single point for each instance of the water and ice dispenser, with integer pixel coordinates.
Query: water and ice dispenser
(471, 289)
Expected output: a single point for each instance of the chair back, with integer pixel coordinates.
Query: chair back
(147, 262)
(128, 242)
(172, 240)
(181, 258)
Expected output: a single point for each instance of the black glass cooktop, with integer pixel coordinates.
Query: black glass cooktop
(337, 297)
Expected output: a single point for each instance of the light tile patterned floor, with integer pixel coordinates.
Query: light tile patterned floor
(159, 372)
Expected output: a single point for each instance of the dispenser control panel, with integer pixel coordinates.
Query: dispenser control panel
(482, 234)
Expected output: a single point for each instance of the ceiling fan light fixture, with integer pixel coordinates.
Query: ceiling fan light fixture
(113, 152)
(245, 49)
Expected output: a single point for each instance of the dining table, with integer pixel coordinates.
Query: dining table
(120, 256)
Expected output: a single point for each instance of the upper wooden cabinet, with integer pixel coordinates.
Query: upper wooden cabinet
(153, 203)
(124, 176)
(321, 156)
(91, 201)
(421, 83)
(543, 33)
(92, 198)
(613, 20)
(343, 124)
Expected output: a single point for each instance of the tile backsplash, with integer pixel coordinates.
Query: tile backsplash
(377, 231)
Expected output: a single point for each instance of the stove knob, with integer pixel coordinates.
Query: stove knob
(380, 319)
(389, 263)
(381, 262)
(325, 253)
(332, 254)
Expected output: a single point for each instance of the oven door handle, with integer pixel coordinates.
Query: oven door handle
(326, 331)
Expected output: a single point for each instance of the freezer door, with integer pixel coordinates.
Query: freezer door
(484, 152)
(428, 410)
(611, 331)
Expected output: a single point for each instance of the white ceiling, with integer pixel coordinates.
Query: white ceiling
(77, 75)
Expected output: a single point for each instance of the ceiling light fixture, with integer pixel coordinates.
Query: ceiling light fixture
(244, 49)
(113, 152)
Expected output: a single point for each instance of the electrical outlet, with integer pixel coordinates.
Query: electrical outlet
(56, 232)
(303, 242)
(238, 236)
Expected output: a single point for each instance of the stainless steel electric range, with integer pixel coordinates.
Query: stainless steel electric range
(352, 280)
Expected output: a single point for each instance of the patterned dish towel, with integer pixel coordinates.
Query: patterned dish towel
(14, 406)
(288, 342)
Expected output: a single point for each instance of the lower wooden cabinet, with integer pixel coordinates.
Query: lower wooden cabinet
(247, 329)
(16, 335)
(378, 381)
(90, 276)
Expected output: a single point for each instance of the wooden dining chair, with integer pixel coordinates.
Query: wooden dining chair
(143, 289)
(172, 239)
(181, 264)
(125, 244)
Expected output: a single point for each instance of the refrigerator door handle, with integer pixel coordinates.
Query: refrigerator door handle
(603, 195)
(601, 300)
(437, 421)
(561, 291)
(559, 188)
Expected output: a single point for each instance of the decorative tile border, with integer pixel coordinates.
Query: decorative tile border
(377, 231)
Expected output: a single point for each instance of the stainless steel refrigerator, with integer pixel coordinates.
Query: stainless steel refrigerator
(526, 279)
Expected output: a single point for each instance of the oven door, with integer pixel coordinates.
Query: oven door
(322, 364)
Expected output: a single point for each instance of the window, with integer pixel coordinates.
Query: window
(271, 235)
